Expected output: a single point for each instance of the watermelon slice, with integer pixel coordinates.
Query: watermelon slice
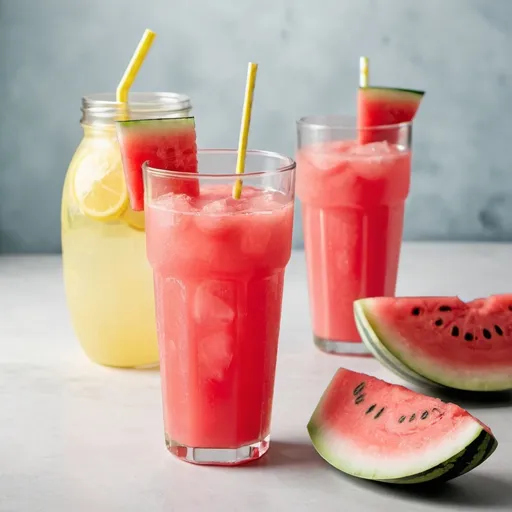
(383, 355)
(371, 429)
(168, 143)
(441, 340)
(381, 106)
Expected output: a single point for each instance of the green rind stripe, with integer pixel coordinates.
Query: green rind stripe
(382, 357)
(478, 457)
(463, 462)
(480, 449)
(144, 124)
(395, 91)
(476, 453)
(371, 340)
(484, 453)
(487, 452)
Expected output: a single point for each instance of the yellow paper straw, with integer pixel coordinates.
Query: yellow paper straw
(364, 71)
(244, 129)
(133, 67)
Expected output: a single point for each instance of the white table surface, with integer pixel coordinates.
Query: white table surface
(77, 437)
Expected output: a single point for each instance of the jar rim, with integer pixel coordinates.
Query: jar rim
(103, 106)
(173, 100)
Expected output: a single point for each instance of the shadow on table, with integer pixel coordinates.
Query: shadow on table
(288, 453)
(468, 399)
(154, 368)
(473, 491)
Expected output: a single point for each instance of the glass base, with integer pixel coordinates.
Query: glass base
(219, 456)
(341, 347)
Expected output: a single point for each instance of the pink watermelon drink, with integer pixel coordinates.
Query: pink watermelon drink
(352, 212)
(352, 183)
(218, 268)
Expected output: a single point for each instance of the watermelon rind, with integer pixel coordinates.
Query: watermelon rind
(156, 123)
(459, 451)
(372, 342)
(418, 369)
(394, 93)
(466, 450)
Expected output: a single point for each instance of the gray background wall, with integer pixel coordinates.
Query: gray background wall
(459, 51)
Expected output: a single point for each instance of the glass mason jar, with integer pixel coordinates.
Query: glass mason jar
(107, 278)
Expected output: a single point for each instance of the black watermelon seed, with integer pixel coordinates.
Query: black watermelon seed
(455, 331)
(359, 388)
(370, 409)
(498, 330)
(402, 419)
(436, 409)
(468, 336)
(416, 311)
(379, 413)
(424, 416)
(445, 308)
(510, 307)
(486, 333)
(360, 399)
(412, 418)
(439, 322)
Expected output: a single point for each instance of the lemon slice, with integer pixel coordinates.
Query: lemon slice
(99, 186)
(135, 220)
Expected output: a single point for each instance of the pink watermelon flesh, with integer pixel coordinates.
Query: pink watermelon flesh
(383, 106)
(464, 345)
(168, 144)
(372, 429)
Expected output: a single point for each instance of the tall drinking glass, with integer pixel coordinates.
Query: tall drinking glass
(352, 196)
(218, 266)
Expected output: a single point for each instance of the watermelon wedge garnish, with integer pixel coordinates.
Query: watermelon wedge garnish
(168, 143)
(441, 341)
(382, 106)
(372, 429)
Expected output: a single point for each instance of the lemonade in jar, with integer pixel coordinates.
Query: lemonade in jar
(108, 281)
